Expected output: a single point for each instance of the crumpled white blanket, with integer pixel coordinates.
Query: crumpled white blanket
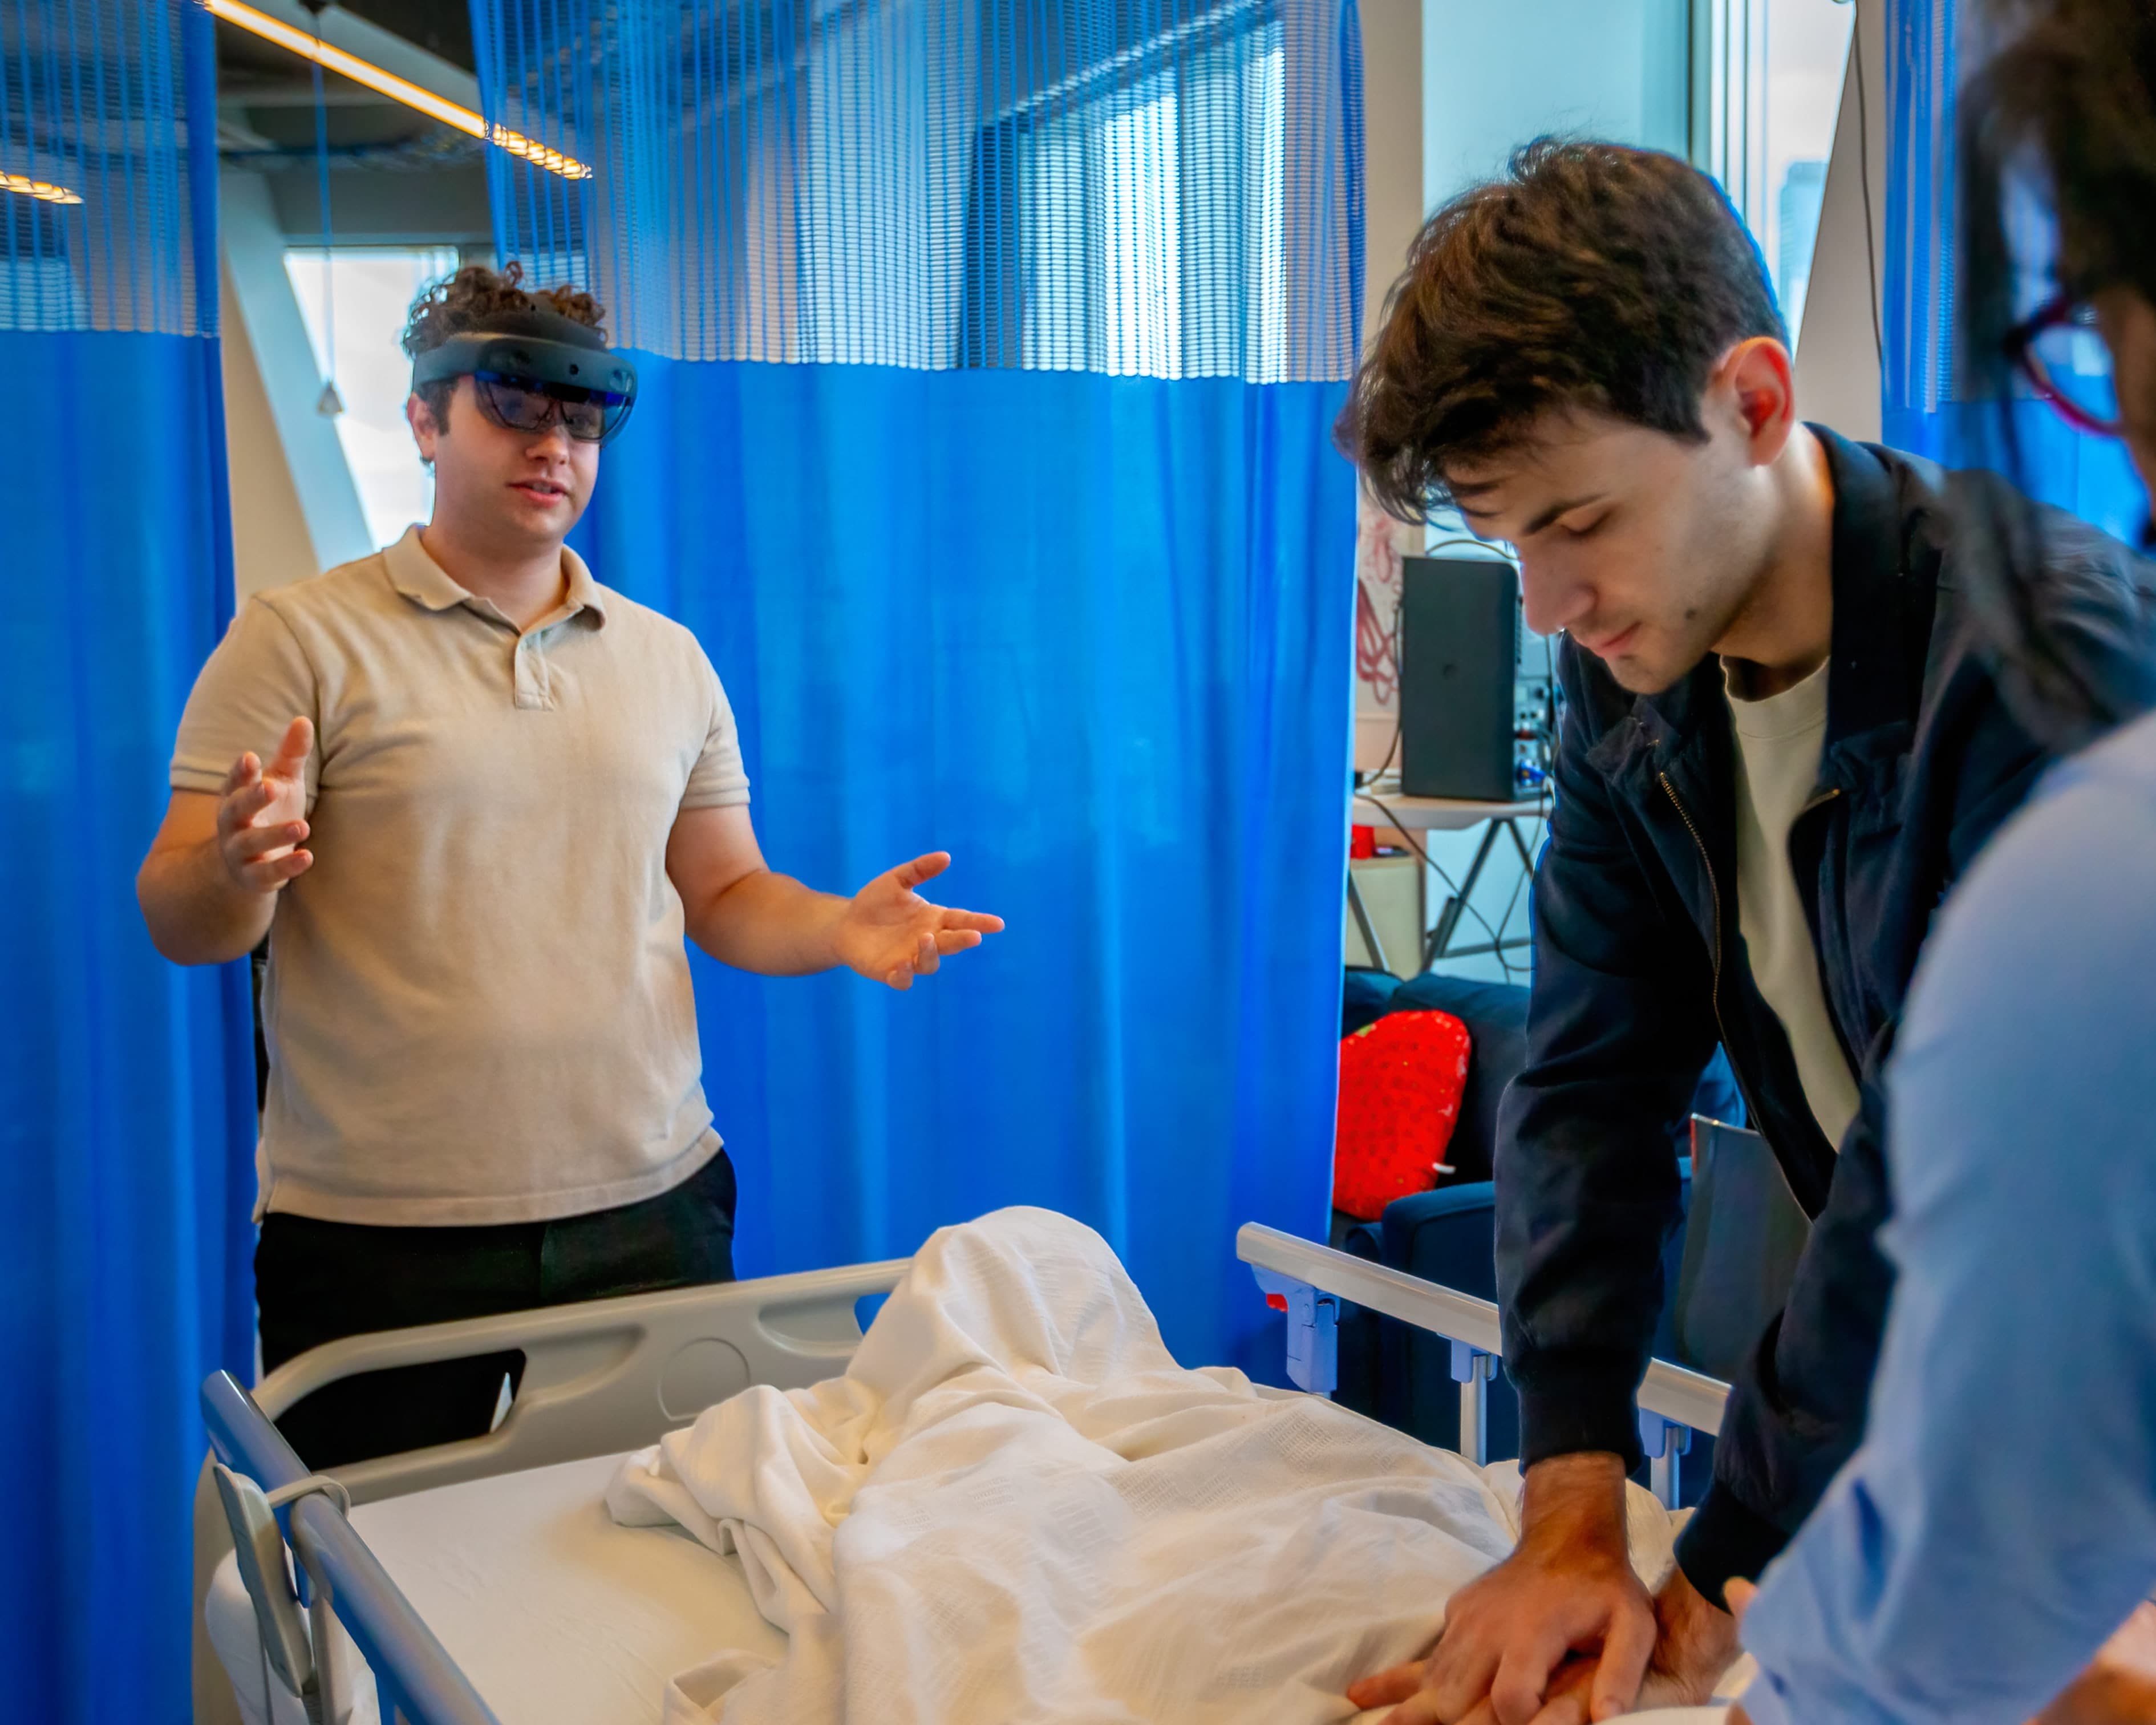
(1016, 1506)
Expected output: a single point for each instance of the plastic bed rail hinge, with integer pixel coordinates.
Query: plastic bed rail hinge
(1313, 1330)
(1658, 1437)
(297, 1649)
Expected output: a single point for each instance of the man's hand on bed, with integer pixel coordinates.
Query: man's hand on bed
(1695, 1644)
(1569, 1699)
(1561, 1632)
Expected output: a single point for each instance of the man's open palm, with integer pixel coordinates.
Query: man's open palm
(261, 818)
(891, 934)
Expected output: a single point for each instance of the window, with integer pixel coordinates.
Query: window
(1129, 220)
(366, 294)
(1766, 96)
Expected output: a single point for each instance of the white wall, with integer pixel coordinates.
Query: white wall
(1495, 74)
(1392, 144)
(1838, 374)
(285, 457)
(270, 543)
(1498, 73)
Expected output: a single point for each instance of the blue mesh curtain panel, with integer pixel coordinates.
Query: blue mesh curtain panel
(1929, 404)
(990, 351)
(126, 1106)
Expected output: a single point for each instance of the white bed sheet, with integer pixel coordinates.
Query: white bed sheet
(558, 1615)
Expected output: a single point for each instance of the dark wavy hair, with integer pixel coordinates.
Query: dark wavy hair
(2066, 104)
(468, 301)
(1591, 276)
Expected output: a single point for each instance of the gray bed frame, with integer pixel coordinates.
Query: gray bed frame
(613, 1375)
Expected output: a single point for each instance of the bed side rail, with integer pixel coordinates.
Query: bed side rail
(604, 1376)
(415, 1677)
(600, 1377)
(1311, 1279)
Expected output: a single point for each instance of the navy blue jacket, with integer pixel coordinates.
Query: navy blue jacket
(1640, 970)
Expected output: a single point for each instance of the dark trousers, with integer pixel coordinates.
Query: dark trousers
(320, 1282)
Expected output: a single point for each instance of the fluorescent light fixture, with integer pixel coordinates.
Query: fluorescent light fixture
(401, 89)
(42, 190)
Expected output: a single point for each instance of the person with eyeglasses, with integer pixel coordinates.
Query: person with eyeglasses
(476, 801)
(1987, 1555)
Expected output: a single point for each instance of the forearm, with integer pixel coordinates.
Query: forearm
(1567, 1496)
(770, 924)
(195, 912)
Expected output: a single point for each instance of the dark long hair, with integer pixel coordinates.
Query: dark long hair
(2066, 106)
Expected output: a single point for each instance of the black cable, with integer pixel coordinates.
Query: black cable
(1864, 171)
(1431, 863)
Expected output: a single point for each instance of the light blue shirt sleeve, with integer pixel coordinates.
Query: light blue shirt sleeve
(1999, 1520)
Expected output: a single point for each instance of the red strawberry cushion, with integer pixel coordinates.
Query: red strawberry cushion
(1400, 1080)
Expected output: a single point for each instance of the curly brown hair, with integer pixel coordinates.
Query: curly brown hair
(1591, 275)
(472, 297)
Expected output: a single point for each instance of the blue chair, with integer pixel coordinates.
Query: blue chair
(1403, 1376)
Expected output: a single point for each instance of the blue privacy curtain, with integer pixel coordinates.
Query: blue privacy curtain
(989, 352)
(1930, 404)
(126, 1105)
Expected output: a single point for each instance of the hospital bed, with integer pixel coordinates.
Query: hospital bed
(482, 1582)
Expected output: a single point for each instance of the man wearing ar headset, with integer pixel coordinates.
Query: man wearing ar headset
(475, 800)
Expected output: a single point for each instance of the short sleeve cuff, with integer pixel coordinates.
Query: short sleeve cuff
(193, 775)
(725, 796)
(1725, 1540)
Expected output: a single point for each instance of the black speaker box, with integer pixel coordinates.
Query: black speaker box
(1460, 685)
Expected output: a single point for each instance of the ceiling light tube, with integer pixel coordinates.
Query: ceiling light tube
(42, 190)
(401, 89)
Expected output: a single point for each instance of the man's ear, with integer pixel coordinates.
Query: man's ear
(426, 430)
(1755, 385)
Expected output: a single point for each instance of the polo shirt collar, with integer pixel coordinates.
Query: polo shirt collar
(585, 594)
(423, 580)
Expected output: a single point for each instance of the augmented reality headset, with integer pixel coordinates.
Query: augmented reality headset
(529, 368)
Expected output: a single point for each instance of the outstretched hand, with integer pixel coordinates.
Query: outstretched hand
(261, 816)
(891, 934)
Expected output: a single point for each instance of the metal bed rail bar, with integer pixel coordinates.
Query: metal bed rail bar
(600, 1378)
(413, 1673)
(1310, 1281)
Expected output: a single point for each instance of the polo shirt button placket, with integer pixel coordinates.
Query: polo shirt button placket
(531, 671)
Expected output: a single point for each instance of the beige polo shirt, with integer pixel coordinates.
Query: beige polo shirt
(478, 1005)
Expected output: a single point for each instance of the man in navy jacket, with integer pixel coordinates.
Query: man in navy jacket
(1782, 738)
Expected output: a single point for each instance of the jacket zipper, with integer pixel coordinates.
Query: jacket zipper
(1714, 893)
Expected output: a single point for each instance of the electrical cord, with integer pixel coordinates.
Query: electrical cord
(1438, 868)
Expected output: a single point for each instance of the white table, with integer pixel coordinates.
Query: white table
(1380, 804)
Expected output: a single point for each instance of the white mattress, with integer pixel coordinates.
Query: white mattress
(556, 1615)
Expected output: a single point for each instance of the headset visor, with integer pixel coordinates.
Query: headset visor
(523, 381)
